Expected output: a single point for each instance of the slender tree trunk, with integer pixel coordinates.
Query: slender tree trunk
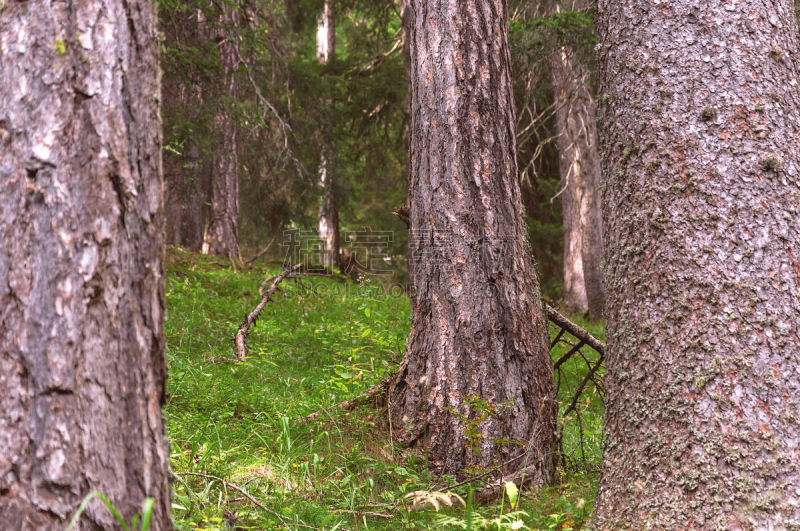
(701, 159)
(476, 380)
(580, 180)
(82, 364)
(221, 235)
(328, 224)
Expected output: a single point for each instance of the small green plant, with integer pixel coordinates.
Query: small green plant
(139, 522)
(480, 411)
(61, 48)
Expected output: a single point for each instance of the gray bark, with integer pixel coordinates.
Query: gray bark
(221, 235)
(82, 365)
(479, 331)
(579, 163)
(328, 220)
(700, 129)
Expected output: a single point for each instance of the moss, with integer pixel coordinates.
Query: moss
(626, 154)
(700, 381)
(708, 113)
(771, 162)
(61, 48)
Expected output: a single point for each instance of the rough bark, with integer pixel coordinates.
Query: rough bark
(328, 219)
(700, 129)
(479, 331)
(82, 364)
(221, 235)
(579, 163)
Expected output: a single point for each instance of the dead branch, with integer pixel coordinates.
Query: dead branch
(404, 216)
(250, 319)
(261, 253)
(581, 387)
(568, 355)
(248, 496)
(560, 320)
(349, 405)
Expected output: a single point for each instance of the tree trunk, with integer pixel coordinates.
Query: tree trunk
(475, 386)
(701, 161)
(328, 224)
(221, 235)
(81, 264)
(579, 163)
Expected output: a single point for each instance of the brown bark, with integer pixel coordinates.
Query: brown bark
(579, 163)
(221, 235)
(700, 134)
(479, 331)
(328, 220)
(82, 363)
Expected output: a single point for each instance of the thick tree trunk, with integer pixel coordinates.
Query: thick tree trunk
(328, 220)
(579, 163)
(82, 364)
(221, 235)
(475, 387)
(701, 159)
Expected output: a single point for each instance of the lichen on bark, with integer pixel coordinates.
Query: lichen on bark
(702, 275)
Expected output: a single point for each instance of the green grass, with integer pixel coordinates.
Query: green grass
(319, 342)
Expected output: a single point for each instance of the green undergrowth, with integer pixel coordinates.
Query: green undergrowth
(319, 342)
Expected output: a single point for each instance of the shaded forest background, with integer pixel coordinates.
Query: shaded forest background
(249, 71)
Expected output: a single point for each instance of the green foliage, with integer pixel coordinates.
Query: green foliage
(139, 522)
(565, 28)
(320, 341)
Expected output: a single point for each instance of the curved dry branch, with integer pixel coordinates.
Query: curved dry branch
(250, 319)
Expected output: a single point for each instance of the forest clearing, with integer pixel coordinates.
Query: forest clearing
(318, 343)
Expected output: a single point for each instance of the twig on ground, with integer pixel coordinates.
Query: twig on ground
(249, 497)
(261, 253)
(350, 404)
(250, 319)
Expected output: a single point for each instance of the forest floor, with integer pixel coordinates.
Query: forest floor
(241, 457)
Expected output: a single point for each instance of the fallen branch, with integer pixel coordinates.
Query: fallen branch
(560, 320)
(349, 405)
(581, 387)
(250, 319)
(263, 251)
(249, 497)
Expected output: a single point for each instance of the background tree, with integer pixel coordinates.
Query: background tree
(551, 53)
(81, 264)
(579, 166)
(477, 355)
(221, 232)
(328, 224)
(700, 135)
(247, 47)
